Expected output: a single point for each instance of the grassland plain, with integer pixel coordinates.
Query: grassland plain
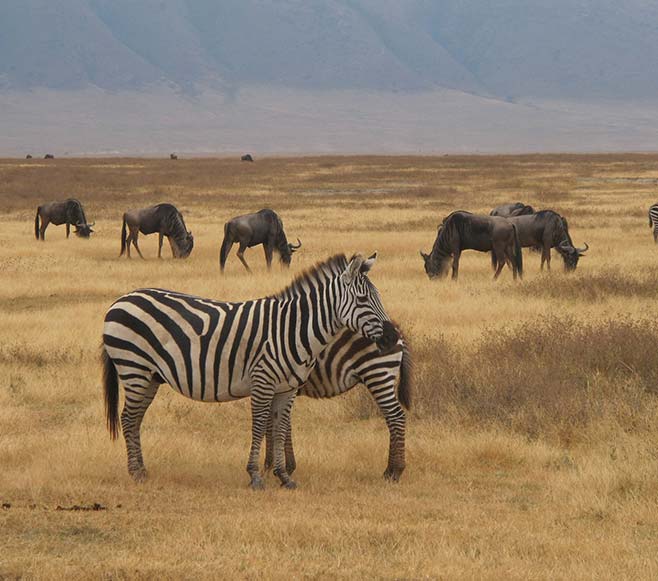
(533, 443)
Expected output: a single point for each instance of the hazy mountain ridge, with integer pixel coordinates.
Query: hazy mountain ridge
(512, 48)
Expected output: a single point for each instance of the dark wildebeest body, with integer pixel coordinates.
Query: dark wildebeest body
(49, 156)
(264, 227)
(69, 212)
(247, 157)
(545, 230)
(515, 209)
(164, 219)
(173, 156)
(465, 231)
(28, 156)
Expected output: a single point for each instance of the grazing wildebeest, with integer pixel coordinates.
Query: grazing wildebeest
(164, 219)
(49, 156)
(653, 221)
(515, 209)
(545, 230)
(247, 157)
(350, 360)
(69, 212)
(28, 156)
(173, 156)
(465, 231)
(263, 227)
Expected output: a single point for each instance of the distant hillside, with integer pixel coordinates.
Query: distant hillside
(580, 49)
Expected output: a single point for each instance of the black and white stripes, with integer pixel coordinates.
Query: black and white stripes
(216, 351)
(653, 221)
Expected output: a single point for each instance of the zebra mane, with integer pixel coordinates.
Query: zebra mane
(321, 272)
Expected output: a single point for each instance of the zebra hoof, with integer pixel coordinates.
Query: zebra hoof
(257, 484)
(290, 485)
(392, 475)
(139, 476)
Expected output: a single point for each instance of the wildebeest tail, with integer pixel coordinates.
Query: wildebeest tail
(518, 252)
(111, 391)
(123, 236)
(226, 247)
(36, 224)
(405, 385)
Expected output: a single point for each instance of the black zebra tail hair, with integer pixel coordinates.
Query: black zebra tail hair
(111, 391)
(405, 387)
(36, 224)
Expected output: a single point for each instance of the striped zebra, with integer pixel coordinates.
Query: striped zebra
(350, 360)
(218, 351)
(653, 221)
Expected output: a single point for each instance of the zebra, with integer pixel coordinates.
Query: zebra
(219, 351)
(653, 221)
(350, 360)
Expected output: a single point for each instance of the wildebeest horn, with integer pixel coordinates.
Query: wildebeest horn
(299, 245)
(581, 250)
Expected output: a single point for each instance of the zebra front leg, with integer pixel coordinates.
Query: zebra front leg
(281, 412)
(387, 401)
(291, 463)
(138, 399)
(261, 402)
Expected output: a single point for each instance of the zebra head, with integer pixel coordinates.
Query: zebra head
(360, 307)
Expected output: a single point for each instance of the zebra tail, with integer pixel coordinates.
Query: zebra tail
(111, 390)
(650, 223)
(123, 236)
(518, 252)
(405, 387)
(36, 224)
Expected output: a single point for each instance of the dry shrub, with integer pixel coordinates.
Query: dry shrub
(559, 379)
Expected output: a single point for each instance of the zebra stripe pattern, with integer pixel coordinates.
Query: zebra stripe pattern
(217, 351)
(653, 221)
(350, 360)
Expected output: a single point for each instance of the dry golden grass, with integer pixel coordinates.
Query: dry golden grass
(532, 447)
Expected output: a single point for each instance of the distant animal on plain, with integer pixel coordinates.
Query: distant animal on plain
(216, 351)
(514, 209)
(350, 360)
(28, 156)
(49, 156)
(544, 230)
(263, 227)
(69, 212)
(164, 219)
(653, 221)
(173, 156)
(466, 231)
(247, 157)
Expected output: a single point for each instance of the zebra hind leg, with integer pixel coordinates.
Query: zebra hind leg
(139, 396)
(387, 401)
(281, 411)
(291, 463)
(261, 401)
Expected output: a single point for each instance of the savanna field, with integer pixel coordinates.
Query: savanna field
(532, 444)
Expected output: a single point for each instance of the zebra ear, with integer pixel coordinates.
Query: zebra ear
(368, 264)
(351, 272)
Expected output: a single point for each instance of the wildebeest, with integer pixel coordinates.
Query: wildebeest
(173, 156)
(164, 219)
(247, 157)
(28, 156)
(69, 212)
(545, 230)
(653, 221)
(465, 231)
(514, 209)
(49, 156)
(263, 227)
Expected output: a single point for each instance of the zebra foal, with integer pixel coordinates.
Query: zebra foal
(208, 350)
(350, 360)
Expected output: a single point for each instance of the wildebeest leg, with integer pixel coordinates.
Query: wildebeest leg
(160, 236)
(42, 228)
(241, 250)
(501, 265)
(455, 264)
(68, 229)
(139, 395)
(134, 234)
(268, 255)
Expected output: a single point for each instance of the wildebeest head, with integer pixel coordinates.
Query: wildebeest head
(287, 250)
(184, 247)
(436, 266)
(84, 230)
(571, 255)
